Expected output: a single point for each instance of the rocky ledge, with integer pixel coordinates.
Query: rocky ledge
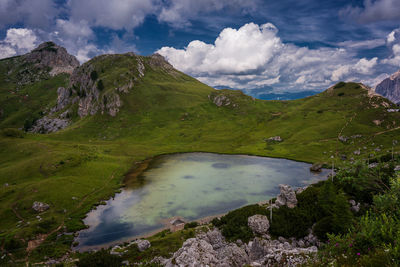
(211, 249)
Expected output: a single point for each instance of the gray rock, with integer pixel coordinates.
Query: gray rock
(373, 165)
(397, 168)
(221, 100)
(390, 88)
(343, 139)
(142, 244)
(49, 125)
(50, 55)
(275, 139)
(40, 206)
(357, 152)
(259, 224)
(195, 252)
(256, 251)
(316, 167)
(287, 196)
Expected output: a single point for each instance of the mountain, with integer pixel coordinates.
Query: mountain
(390, 88)
(83, 131)
(29, 83)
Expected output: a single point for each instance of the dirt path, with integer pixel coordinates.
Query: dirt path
(346, 124)
(94, 191)
(16, 212)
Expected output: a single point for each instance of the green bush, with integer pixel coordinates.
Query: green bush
(94, 75)
(234, 224)
(362, 183)
(11, 132)
(339, 85)
(191, 225)
(288, 222)
(100, 85)
(100, 258)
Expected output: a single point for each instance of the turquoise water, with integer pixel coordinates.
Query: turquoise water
(190, 185)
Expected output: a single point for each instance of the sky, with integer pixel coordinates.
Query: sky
(259, 46)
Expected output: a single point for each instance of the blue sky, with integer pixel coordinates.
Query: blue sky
(255, 45)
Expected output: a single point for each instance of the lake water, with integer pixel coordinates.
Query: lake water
(190, 185)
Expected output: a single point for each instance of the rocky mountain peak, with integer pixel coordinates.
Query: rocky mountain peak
(395, 75)
(50, 55)
(390, 88)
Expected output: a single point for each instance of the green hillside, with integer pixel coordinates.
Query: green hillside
(162, 111)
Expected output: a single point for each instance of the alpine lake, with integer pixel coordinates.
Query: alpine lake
(190, 186)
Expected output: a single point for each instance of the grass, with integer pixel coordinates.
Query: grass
(163, 112)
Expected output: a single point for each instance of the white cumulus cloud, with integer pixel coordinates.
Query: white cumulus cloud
(18, 41)
(254, 56)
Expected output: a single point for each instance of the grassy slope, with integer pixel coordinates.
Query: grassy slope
(75, 168)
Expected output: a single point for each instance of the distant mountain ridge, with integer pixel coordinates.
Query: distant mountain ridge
(390, 88)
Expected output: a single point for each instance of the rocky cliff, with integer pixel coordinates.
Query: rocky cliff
(98, 86)
(390, 88)
(42, 63)
(56, 58)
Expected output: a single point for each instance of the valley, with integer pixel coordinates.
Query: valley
(116, 111)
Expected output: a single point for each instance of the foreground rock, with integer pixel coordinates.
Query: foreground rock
(211, 249)
(287, 196)
(40, 206)
(259, 224)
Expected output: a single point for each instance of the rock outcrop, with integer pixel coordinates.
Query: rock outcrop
(142, 244)
(211, 249)
(220, 100)
(40, 206)
(390, 88)
(259, 224)
(50, 55)
(287, 196)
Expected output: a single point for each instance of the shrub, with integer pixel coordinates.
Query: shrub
(362, 183)
(339, 85)
(341, 94)
(191, 225)
(234, 224)
(100, 85)
(288, 222)
(94, 75)
(100, 258)
(11, 132)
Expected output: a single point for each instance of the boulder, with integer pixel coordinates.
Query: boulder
(275, 139)
(195, 252)
(316, 167)
(142, 244)
(259, 224)
(40, 206)
(287, 196)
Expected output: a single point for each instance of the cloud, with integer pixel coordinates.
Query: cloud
(364, 44)
(179, 13)
(393, 41)
(75, 29)
(32, 13)
(254, 56)
(18, 41)
(373, 11)
(113, 14)
(363, 66)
